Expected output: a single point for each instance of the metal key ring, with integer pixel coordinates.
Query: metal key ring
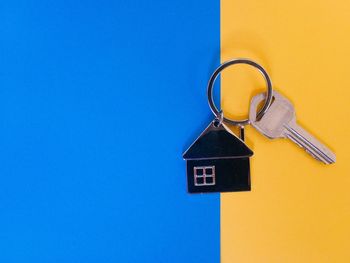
(216, 73)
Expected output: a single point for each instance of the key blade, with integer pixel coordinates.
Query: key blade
(311, 145)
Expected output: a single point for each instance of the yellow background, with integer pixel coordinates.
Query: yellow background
(298, 209)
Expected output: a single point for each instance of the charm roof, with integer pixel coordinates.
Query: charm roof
(215, 143)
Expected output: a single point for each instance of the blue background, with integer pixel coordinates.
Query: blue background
(98, 100)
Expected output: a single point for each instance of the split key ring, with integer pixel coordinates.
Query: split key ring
(218, 113)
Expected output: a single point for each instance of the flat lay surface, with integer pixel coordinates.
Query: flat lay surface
(98, 101)
(298, 209)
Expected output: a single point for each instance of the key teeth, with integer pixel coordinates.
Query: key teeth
(313, 155)
(325, 161)
(331, 160)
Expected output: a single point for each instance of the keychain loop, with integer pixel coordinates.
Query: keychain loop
(218, 113)
(219, 119)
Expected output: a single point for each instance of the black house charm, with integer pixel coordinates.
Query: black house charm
(218, 161)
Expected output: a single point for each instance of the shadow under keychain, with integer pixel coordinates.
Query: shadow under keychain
(218, 161)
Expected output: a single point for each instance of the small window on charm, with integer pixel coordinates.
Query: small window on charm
(204, 175)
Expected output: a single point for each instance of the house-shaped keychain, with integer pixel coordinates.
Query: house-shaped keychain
(218, 161)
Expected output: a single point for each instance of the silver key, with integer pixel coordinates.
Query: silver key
(280, 122)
